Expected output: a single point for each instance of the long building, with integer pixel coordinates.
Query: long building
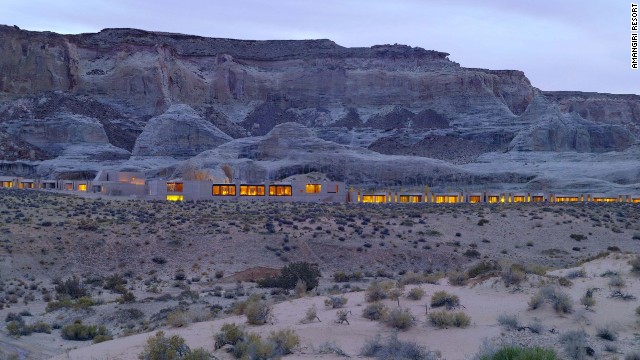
(135, 185)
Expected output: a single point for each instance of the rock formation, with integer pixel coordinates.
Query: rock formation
(74, 103)
(179, 132)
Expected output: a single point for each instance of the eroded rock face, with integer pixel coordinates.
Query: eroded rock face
(179, 132)
(552, 130)
(292, 148)
(623, 110)
(53, 135)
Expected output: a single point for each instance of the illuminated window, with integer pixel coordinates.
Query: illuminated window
(537, 198)
(175, 187)
(175, 198)
(7, 184)
(493, 199)
(446, 199)
(474, 199)
(567, 199)
(251, 190)
(224, 190)
(82, 187)
(373, 198)
(519, 199)
(280, 190)
(313, 188)
(410, 198)
(604, 199)
(635, 200)
(68, 186)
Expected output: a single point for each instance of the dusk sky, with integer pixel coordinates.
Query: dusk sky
(559, 44)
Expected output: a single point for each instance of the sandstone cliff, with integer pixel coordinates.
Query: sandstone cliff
(164, 97)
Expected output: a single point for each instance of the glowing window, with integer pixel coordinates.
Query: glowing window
(313, 188)
(374, 198)
(519, 199)
(175, 197)
(175, 187)
(603, 199)
(280, 190)
(251, 190)
(7, 183)
(410, 198)
(537, 198)
(224, 190)
(493, 199)
(82, 187)
(474, 199)
(567, 199)
(446, 199)
(635, 200)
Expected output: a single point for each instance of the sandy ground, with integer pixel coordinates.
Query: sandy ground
(484, 302)
(44, 237)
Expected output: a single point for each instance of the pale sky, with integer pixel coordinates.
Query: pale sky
(579, 45)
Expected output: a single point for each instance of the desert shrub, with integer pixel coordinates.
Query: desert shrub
(560, 301)
(253, 347)
(375, 311)
(607, 332)
(81, 332)
(330, 348)
(344, 277)
(102, 338)
(258, 312)
(563, 281)
(442, 298)
(412, 278)
(587, 301)
(40, 327)
(82, 303)
(115, 283)
(12, 317)
(198, 354)
(127, 297)
(311, 315)
(444, 319)
(401, 319)
(291, 273)
(521, 353)
(458, 278)
(377, 291)
(617, 281)
(415, 294)
(159, 347)
(284, 341)
(396, 349)
(482, 268)
(514, 275)
(178, 318)
(581, 273)
(230, 334)
(509, 322)
(578, 237)
(17, 328)
(71, 288)
(335, 302)
(574, 343)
